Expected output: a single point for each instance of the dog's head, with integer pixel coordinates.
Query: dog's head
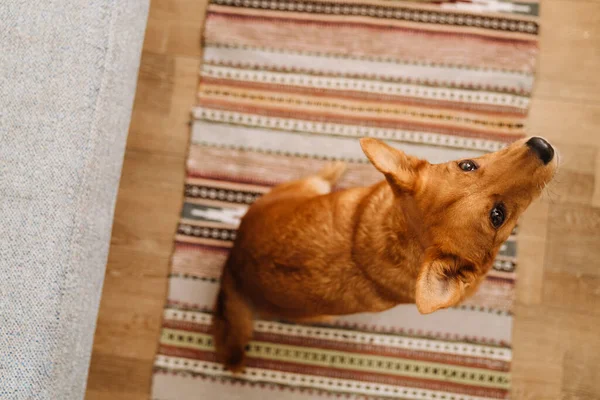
(462, 211)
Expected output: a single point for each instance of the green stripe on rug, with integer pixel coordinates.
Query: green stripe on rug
(345, 360)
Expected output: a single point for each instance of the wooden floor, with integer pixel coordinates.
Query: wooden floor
(557, 324)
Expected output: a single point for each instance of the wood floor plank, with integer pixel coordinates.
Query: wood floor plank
(119, 378)
(569, 57)
(542, 336)
(559, 119)
(572, 274)
(531, 246)
(147, 211)
(596, 195)
(157, 35)
(166, 131)
(581, 378)
(575, 180)
(573, 291)
(131, 324)
(155, 84)
(573, 239)
(149, 202)
(136, 280)
(179, 10)
(184, 39)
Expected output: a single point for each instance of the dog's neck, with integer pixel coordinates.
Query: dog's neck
(389, 242)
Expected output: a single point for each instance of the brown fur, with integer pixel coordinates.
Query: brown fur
(421, 236)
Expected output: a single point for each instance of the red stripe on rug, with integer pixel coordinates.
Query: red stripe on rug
(480, 35)
(390, 123)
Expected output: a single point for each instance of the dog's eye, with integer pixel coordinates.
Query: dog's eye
(497, 216)
(467, 165)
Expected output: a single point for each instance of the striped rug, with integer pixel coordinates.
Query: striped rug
(286, 85)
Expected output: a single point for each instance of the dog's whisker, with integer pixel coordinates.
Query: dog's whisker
(550, 194)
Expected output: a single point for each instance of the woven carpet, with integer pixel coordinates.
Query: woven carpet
(286, 85)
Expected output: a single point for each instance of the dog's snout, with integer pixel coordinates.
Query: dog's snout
(541, 148)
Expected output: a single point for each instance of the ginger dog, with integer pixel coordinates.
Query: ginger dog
(427, 234)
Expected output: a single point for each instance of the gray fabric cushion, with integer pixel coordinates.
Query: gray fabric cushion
(68, 71)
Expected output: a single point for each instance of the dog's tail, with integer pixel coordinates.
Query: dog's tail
(333, 171)
(232, 324)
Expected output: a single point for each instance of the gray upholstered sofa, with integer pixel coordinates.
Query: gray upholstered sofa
(68, 71)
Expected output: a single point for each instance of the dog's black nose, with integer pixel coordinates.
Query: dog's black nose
(541, 148)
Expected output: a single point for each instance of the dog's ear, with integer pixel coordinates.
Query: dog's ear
(442, 282)
(399, 169)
